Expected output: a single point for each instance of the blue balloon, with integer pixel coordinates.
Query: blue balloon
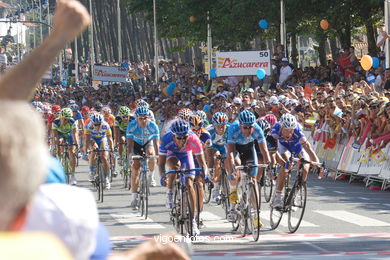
(64, 82)
(375, 62)
(263, 24)
(260, 73)
(171, 88)
(213, 73)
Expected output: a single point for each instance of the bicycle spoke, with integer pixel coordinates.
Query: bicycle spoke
(297, 207)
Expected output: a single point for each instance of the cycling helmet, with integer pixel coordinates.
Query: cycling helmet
(66, 113)
(74, 107)
(271, 119)
(246, 117)
(142, 111)
(139, 101)
(124, 111)
(202, 115)
(264, 125)
(288, 121)
(195, 121)
(184, 114)
(143, 103)
(96, 118)
(84, 109)
(55, 109)
(220, 118)
(180, 127)
(71, 102)
(98, 106)
(106, 109)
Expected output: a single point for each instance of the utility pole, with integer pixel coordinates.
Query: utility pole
(155, 42)
(119, 32)
(209, 44)
(283, 27)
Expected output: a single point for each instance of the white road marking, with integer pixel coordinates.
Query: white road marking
(362, 198)
(135, 221)
(352, 218)
(339, 192)
(265, 214)
(211, 220)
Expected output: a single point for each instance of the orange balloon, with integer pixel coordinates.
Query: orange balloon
(192, 19)
(324, 24)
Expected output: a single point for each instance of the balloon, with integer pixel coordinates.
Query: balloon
(260, 73)
(375, 62)
(171, 87)
(213, 73)
(64, 82)
(263, 24)
(165, 92)
(192, 19)
(366, 62)
(324, 24)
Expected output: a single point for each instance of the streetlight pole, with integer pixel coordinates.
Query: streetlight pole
(119, 32)
(387, 26)
(209, 43)
(40, 19)
(283, 27)
(92, 51)
(155, 42)
(76, 63)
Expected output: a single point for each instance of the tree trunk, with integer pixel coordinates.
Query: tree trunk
(294, 50)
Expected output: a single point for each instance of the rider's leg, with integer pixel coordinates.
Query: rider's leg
(173, 163)
(135, 182)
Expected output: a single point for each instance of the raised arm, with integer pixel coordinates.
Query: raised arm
(70, 19)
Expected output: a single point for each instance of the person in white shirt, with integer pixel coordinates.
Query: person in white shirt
(285, 71)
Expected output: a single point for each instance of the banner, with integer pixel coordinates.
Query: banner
(243, 63)
(112, 74)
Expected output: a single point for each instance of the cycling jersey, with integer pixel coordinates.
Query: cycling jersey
(64, 128)
(219, 141)
(294, 144)
(205, 137)
(110, 119)
(185, 154)
(236, 137)
(142, 135)
(122, 125)
(78, 116)
(98, 133)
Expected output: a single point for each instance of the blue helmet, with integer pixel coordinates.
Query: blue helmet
(246, 117)
(143, 103)
(96, 118)
(180, 127)
(142, 111)
(74, 107)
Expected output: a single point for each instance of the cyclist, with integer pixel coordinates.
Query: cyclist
(219, 135)
(120, 126)
(203, 116)
(65, 132)
(184, 114)
(176, 150)
(242, 137)
(291, 138)
(140, 134)
(197, 124)
(98, 135)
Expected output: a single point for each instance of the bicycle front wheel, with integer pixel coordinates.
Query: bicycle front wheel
(268, 185)
(254, 213)
(225, 193)
(207, 187)
(101, 183)
(186, 213)
(297, 206)
(275, 217)
(197, 194)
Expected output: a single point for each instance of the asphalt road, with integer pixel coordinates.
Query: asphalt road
(341, 220)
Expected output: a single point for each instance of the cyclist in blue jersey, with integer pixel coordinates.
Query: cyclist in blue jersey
(291, 138)
(140, 134)
(176, 150)
(219, 136)
(241, 139)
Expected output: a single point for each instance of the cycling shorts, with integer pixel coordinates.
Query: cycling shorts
(141, 149)
(186, 162)
(247, 153)
(101, 142)
(68, 138)
(220, 148)
(299, 152)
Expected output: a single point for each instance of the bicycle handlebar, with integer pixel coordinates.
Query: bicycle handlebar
(183, 171)
(144, 157)
(251, 166)
(98, 150)
(302, 160)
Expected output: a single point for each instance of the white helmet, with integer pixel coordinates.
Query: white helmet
(288, 121)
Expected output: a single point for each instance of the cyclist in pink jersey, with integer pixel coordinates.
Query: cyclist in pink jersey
(176, 150)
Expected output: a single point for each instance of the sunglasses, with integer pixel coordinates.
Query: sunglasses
(374, 107)
(124, 117)
(97, 124)
(181, 137)
(247, 126)
(142, 117)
